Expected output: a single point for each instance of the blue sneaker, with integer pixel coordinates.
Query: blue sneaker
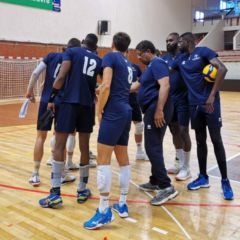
(51, 201)
(227, 190)
(122, 210)
(200, 182)
(82, 196)
(99, 219)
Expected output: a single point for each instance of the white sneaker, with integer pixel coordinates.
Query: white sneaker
(72, 166)
(92, 163)
(183, 174)
(141, 155)
(175, 168)
(67, 178)
(49, 162)
(34, 180)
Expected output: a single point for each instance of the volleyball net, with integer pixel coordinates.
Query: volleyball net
(14, 78)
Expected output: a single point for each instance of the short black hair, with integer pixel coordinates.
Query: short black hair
(73, 42)
(121, 41)
(145, 45)
(91, 41)
(174, 34)
(188, 36)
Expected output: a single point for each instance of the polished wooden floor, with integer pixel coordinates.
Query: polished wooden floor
(201, 214)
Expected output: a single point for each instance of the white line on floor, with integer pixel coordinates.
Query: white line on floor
(159, 230)
(165, 209)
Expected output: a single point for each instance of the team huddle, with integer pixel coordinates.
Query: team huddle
(171, 91)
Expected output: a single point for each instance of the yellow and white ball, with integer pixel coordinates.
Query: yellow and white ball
(210, 73)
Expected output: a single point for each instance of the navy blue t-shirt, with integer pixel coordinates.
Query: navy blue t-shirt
(149, 89)
(136, 74)
(118, 99)
(81, 80)
(178, 88)
(191, 66)
(53, 62)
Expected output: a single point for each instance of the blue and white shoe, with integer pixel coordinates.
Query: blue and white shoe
(227, 190)
(82, 196)
(122, 210)
(99, 219)
(200, 182)
(52, 201)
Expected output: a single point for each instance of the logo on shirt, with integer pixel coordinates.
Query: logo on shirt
(149, 127)
(195, 57)
(220, 119)
(183, 62)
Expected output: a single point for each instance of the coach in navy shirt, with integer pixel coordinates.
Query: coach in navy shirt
(153, 97)
(204, 100)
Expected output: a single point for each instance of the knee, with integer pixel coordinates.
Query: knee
(70, 143)
(104, 178)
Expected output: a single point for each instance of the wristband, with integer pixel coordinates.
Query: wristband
(53, 95)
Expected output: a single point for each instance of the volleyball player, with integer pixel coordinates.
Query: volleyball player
(51, 63)
(204, 100)
(137, 116)
(78, 74)
(181, 114)
(115, 116)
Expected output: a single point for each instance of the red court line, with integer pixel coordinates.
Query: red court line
(219, 205)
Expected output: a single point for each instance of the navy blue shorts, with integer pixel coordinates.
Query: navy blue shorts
(42, 109)
(136, 110)
(181, 113)
(200, 118)
(73, 117)
(114, 128)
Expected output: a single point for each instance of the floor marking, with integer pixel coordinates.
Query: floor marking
(130, 201)
(216, 165)
(165, 209)
(132, 220)
(159, 230)
(216, 177)
(229, 159)
(178, 223)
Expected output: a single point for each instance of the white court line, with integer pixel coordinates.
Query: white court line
(229, 159)
(159, 230)
(215, 166)
(165, 209)
(132, 220)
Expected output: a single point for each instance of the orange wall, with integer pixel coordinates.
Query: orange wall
(38, 50)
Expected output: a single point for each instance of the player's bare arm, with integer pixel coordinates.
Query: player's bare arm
(104, 90)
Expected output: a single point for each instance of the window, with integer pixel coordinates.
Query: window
(223, 5)
(199, 16)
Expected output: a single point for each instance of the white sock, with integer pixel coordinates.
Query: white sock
(84, 173)
(186, 157)
(124, 178)
(37, 164)
(69, 158)
(179, 154)
(103, 203)
(57, 169)
(104, 179)
(139, 147)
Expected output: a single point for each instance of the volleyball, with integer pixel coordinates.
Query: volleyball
(209, 73)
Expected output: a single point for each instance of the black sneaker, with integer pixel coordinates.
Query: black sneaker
(164, 195)
(148, 187)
